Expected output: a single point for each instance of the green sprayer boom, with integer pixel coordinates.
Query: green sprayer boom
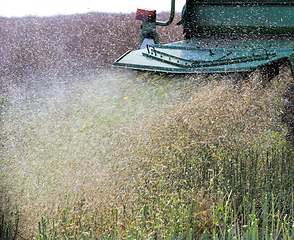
(220, 36)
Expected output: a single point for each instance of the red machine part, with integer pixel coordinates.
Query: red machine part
(144, 15)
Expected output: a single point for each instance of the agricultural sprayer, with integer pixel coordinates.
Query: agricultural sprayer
(221, 36)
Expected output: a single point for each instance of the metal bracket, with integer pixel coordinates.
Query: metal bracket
(152, 52)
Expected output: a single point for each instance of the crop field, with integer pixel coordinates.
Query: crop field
(93, 152)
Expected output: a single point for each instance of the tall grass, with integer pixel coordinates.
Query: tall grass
(131, 164)
(64, 139)
(185, 216)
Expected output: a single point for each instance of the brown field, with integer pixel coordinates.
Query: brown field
(74, 43)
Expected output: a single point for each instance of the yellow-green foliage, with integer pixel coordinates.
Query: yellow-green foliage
(227, 112)
(113, 143)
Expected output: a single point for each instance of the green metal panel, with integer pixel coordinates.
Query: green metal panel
(219, 18)
(207, 55)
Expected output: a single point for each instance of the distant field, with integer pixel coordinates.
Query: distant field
(74, 43)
